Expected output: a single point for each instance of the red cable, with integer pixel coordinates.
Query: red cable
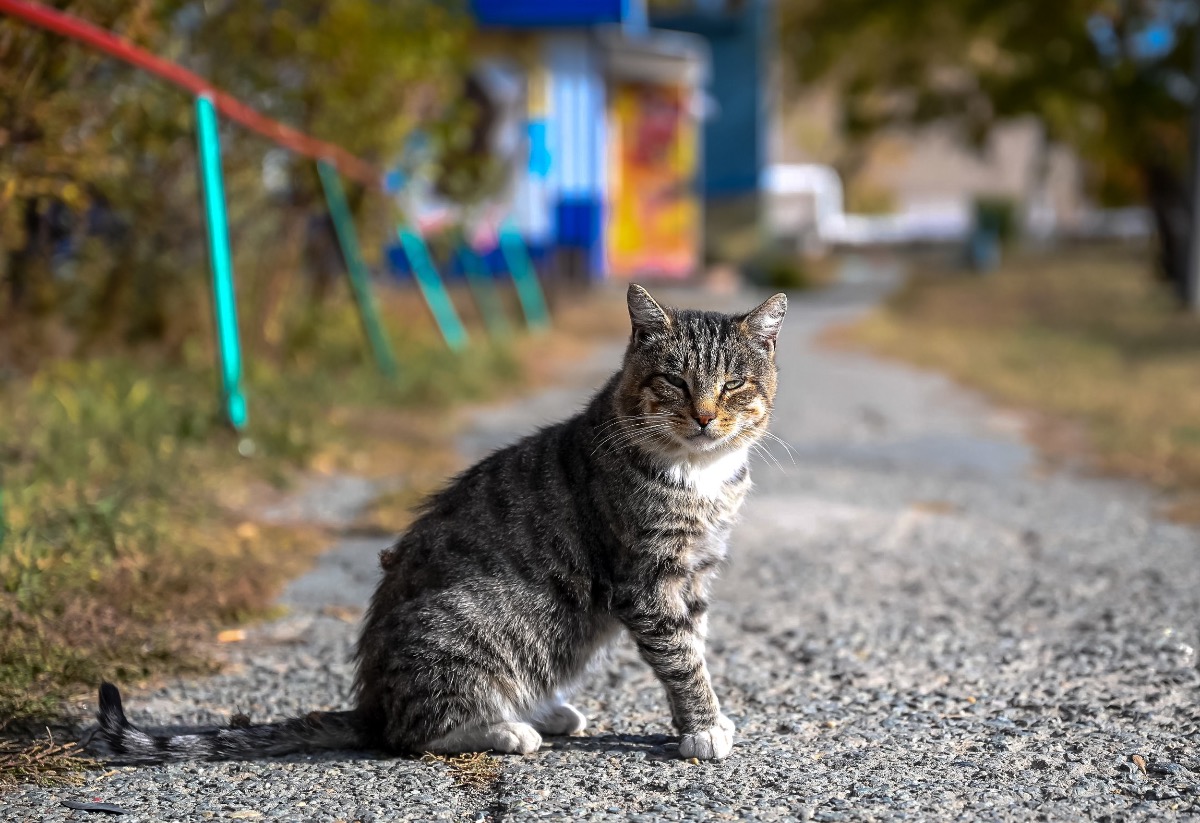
(109, 43)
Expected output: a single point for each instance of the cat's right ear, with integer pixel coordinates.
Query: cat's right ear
(762, 323)
(645, 314)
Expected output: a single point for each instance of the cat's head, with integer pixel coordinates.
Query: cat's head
(697, 382)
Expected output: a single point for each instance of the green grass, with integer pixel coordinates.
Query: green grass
(128, 506)
(1092, 339)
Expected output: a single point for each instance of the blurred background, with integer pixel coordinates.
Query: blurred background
(1029, 167)
(620, 139)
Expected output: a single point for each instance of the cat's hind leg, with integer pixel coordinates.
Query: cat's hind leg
(558, 717)
(507, 737)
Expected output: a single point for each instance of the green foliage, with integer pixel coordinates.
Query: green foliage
(100, 157)
(998, 216)
(973, 62)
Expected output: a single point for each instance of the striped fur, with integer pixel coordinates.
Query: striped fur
(117, 739)
(514, 577)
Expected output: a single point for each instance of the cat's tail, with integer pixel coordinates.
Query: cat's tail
(116, 738)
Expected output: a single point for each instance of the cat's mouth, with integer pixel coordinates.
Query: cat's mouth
(705, 440)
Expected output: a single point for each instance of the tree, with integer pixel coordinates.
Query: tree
(1107, 77)
(56, 130)
(100, 231)
(358, 73)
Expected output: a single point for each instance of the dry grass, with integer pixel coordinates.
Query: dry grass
(129, 515)
(1092, 339)
(42, 763)
(476, 772)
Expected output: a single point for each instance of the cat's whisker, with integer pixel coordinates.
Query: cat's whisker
(791, 453)
(773, 458)
(766, 455)
(629, 427)
(632, 419)
(634, 424)
(617, 437)
(632, 437)
(637, 438)
(624, 418)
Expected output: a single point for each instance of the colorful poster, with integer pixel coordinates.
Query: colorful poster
(654, 211)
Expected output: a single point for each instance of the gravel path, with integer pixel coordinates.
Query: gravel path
(919, 622)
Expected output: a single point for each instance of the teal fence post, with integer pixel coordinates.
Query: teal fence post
(529, 291)
(360, 280)
(229, 349)
(484, 291)
(433, 289)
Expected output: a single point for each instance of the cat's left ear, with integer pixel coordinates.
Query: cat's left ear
(645, 314)
(762, 324)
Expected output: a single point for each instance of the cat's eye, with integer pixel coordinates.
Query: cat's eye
(734, 384)
(677, 382)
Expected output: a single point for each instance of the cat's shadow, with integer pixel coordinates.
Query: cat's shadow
(654, 746)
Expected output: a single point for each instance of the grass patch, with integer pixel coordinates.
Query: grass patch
(1092, 339)
(129, 509)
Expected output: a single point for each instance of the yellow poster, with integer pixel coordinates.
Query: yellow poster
(653, 214)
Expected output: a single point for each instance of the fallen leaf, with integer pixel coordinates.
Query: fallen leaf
(324, 463)
(231, 636)
(1139, 761)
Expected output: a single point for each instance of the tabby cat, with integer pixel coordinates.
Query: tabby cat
(496, 599)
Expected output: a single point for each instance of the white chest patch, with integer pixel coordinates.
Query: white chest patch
(708, 479)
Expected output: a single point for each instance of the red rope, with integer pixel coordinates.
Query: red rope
(116, 46)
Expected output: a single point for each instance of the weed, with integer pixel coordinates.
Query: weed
(43, 763)
(473, 772)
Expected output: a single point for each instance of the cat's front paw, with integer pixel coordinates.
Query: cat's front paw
(714, 743)
(561, 719)
(513, 738)
(725, 723)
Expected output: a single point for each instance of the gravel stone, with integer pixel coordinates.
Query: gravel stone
(919, 622)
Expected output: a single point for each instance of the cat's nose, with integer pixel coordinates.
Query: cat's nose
(703, 419)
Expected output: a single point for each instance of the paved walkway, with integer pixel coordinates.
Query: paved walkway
(919, 622)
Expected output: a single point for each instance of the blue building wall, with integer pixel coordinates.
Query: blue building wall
(736, 136)
(576, 125)
(559, 203)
